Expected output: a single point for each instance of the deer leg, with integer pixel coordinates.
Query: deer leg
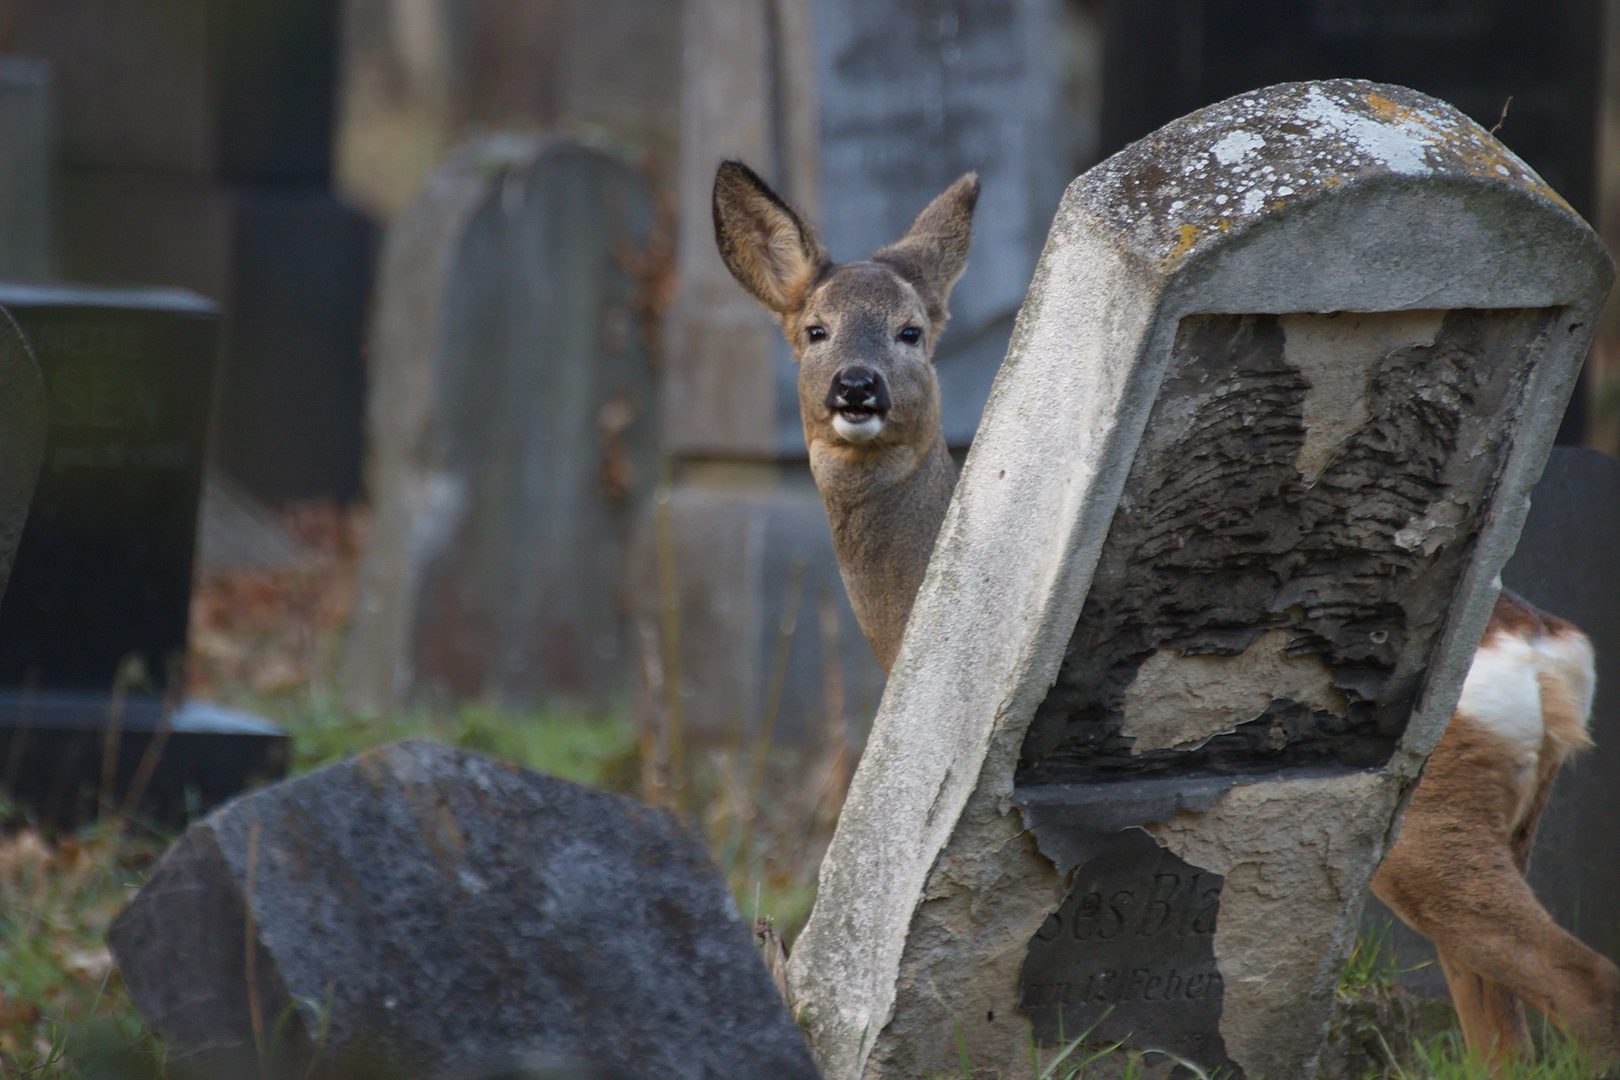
(1454, 876)
(1492, 1019)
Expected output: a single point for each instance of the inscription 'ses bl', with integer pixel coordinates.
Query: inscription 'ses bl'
(1130, 954)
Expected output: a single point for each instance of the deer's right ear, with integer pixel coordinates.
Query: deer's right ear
(770, 252)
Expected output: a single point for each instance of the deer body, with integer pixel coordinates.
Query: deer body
(870, 407)
(1456, 873)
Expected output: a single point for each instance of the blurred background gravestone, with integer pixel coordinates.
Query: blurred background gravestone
(1565, 563)
(1164, 58)
(512, 427)
(93, 624)
(195, 149)
(22, 439)
(858, 113)
(28, 147)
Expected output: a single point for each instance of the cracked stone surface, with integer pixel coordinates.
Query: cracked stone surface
(1215, 568)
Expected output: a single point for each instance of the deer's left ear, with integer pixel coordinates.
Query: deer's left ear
(933, 253)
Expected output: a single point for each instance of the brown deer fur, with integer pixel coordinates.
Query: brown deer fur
(1456, 873)
(880, 463)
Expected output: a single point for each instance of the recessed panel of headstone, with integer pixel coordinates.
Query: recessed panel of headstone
(93, 624)
(1207, 590)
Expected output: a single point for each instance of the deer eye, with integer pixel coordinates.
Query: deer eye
(911, 335)
(816, 333)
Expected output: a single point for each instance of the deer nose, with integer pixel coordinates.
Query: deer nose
(857, 389)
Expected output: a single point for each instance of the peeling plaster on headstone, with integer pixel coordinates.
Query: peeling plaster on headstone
(1435, 528)
(1181, 701)
(1339, 354)
(1279, 911)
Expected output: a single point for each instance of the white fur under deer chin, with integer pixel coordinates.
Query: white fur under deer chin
(857, 431)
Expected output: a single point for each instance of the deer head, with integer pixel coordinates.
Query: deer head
(864, 335)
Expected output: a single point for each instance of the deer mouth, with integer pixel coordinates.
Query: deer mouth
(859, 403)
(858, 425)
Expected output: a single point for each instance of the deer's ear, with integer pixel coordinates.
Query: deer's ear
(933, 253)
(770, 252)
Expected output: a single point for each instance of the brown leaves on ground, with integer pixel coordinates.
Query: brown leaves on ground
(57, 898)
(273, 631)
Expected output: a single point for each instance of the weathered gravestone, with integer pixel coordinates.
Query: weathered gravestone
(1204, 599)
(434, 912)
(93, 624)
(513, 433)
(1565, 563)
(858, 113)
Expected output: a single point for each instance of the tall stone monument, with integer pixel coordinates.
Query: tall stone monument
(513, 430)
(1202, 605)
(858, 113)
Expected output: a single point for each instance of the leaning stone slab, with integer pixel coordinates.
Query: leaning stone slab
(431, 912)
(1203, 602)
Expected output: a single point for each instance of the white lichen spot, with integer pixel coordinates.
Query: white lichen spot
(1220, 200)
(1401, 148)
(1177, 205)
(1253, 200)
(1234, 146)
(1284, 190)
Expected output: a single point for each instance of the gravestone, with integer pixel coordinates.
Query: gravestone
(28, 147)
(196, 148)
(93, 624)
(1212, 576)
(858, 113)
(422, 911)
(22, 439)
(513, 432)
(1565, 564)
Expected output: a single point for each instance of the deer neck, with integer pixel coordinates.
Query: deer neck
(885, 507)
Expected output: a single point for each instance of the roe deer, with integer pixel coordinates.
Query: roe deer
(1456, 873)
(864, 335)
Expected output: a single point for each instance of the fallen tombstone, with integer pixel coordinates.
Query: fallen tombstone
(1202, 605)
(429, 911)
(93, 623)
(513, 431)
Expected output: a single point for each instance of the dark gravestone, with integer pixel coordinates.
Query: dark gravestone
(1565, 563)
(22, 438)
(513, 430)
(292, 394)
(28, 148)
(1164, 58)
(445, 915)
(93, 625)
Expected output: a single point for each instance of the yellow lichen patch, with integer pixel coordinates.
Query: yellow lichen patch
(1188, 237)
